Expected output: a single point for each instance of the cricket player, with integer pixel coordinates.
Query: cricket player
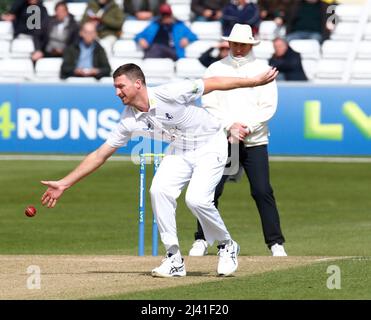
(196, 155)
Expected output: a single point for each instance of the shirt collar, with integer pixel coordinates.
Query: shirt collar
(239, 62)
(152, 105)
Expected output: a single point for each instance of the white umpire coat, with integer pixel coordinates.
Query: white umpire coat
(253, 107)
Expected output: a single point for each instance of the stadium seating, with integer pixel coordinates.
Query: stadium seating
(6, 30)
(267, 30)
(189, 68)
(117, 62)
(158, 70)
(335, 49)
(50, 5)
(264, 50)
(367, 32)
(308, 49)
(364, 50)
(127, 49)
(47, 68)
(344, 31)
(310, 67)
(329, 70)
(77, 9)
(361, 69)
(348, 12)
(344, 57)
(181, 11)
(195, 49)
(22, 48)
(207, 30)
(131, 28)
(4, 48)
(16, 68)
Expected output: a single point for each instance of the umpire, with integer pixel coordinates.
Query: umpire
(245, 113)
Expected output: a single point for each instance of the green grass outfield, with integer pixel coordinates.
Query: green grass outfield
(325, 210)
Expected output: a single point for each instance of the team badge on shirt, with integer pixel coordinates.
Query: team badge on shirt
(168, 116)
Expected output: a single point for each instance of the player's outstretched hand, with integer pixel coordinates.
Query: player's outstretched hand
(266, 77)
(52, 194)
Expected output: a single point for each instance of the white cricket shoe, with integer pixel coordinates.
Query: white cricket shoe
(278, 250)
(228, 262)
(199, 248)
(170, 267)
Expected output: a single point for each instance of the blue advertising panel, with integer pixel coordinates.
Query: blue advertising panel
(57, 118)
(69, 118)
(322, 120)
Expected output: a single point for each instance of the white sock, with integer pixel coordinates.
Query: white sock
(174, 251)
(224, 242)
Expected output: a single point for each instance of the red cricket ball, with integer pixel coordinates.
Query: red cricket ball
(30, 211)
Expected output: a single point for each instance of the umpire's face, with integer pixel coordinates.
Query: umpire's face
(239, 49)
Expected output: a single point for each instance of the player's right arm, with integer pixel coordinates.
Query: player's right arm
(91, 163)
(228, 83)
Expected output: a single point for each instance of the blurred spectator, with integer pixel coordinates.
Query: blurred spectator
(107, 17)
(215, 53)
(5, 6)
(165, 37)
(86, 57)
(240, 11)
(287, 61)
(62, 31)
(20, 18)
(308, 20)
(142, 9)
(275, 10)
(208, 10)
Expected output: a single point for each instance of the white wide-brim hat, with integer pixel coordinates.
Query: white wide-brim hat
(242, 33)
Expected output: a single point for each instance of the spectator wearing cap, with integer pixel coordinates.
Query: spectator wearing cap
(165, 37)
(208, 10)
(214, 53)
(142, 9)
(287, 61)
(242, 12)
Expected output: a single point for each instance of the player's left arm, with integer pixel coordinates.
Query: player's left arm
(228, 83)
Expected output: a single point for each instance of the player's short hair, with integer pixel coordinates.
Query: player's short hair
(132, 71)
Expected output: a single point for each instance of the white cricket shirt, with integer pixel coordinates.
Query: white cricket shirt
(173, 116)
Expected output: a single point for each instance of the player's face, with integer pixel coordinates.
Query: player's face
(126, 89)
(238, 49)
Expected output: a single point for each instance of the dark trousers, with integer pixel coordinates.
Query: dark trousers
(255, 162)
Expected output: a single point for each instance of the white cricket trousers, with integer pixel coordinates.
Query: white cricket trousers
(203, 169)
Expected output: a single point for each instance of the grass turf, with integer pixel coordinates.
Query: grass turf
(303, 283)
(324, 210)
